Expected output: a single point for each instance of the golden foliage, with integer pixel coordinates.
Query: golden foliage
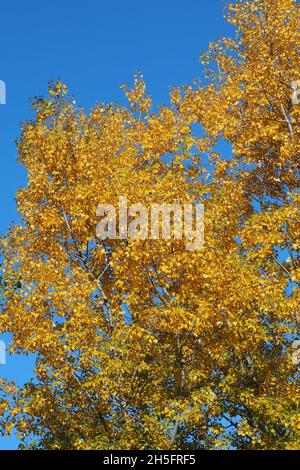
(143, 344)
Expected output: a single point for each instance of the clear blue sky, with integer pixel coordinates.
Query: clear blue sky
(94, 46)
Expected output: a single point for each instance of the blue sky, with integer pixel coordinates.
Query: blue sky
(93, 46)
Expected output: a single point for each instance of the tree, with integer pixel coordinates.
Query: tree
(141, 343)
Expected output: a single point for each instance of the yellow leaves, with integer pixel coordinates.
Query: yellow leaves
(57, 89)
(133, 336)
(137, 98)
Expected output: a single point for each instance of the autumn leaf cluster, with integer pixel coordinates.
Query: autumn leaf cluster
(141, 343)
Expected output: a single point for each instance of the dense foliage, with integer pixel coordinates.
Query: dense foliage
(141, 343)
